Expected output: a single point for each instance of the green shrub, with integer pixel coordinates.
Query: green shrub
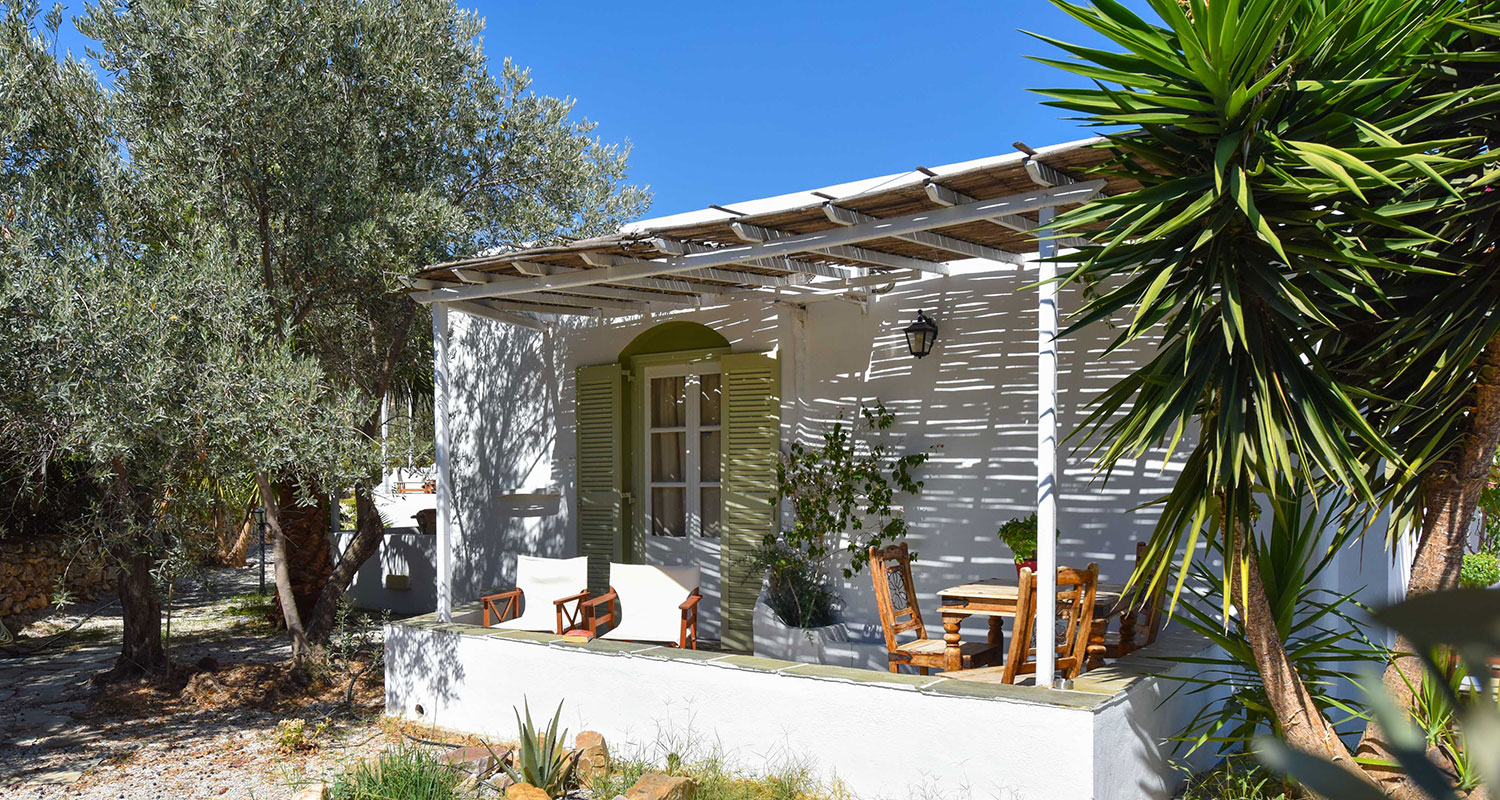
(717, 780)
(1233, 780)
(407, 773)
(1479, 571)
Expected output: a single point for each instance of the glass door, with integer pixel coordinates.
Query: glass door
(681, 489)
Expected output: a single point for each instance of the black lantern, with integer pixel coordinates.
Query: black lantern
(920, 335)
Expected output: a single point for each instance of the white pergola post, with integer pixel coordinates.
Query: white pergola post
(443, 457)
(1046, 453)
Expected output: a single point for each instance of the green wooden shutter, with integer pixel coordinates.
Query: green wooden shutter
(600, 512)
(752, 436)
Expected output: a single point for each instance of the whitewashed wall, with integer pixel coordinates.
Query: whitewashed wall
(953, 741)
(972, 403)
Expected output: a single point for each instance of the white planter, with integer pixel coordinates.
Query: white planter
(775, 639)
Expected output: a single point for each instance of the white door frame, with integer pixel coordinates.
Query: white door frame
(693, 548)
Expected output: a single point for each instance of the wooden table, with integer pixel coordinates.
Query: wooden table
(996, 598)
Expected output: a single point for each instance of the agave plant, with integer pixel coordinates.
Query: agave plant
(542, 760)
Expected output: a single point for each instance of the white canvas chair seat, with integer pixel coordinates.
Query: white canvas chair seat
(541, 583)
(649, 604)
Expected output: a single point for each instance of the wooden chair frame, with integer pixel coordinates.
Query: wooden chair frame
(1075, 597)
(597, 622)
(506, 606)
(895, 561)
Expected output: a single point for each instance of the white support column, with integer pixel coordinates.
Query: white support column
(1046, 454)
(440, 387)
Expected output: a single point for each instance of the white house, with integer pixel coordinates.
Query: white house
(775, 317)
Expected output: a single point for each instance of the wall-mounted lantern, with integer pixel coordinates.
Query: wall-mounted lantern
(920, 335)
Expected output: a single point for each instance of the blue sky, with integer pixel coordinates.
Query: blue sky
(725, 102)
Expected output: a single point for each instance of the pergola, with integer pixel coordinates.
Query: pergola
(839, 242)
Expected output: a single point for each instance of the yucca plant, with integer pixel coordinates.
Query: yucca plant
(1301, 228)
(542, 759)
(1323, 631)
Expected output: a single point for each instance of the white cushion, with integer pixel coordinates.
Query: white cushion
(543, 581)
(649, 601)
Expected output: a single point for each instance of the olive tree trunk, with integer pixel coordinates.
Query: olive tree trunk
(280, 553)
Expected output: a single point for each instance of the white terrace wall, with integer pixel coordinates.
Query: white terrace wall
(972, 403)
(884, 736)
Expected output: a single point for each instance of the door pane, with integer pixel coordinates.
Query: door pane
(668, 516)
(667, 456)
(708, 400)
(710, 511)
(708, 456)
(669, 401)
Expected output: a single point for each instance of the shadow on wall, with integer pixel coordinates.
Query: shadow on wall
(973, 404)
(423, 672)
(504, 394)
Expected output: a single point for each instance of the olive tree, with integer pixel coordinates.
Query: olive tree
(135, 360)
(341, 145)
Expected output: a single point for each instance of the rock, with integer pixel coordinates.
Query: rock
(525, 791)
(593, 755)
(312, 791)
(656, 786)
(54, 777)
(477, 759)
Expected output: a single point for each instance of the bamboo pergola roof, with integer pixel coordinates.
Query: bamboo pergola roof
(830, 241)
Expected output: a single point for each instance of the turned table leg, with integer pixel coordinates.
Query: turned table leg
(953, 654)
(1096, 643)
(1127, 631)
(997, 632)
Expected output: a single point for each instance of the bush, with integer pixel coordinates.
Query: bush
(717, 780)
(1479, 571)
(796, 588)
(1232, 780)
(407, 773)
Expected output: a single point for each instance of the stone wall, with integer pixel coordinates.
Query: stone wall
(29, 569)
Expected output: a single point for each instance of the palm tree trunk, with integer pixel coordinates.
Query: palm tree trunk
(1302, 723)
(1451, 491)
(369, 532)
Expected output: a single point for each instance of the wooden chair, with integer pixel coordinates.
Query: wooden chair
(1139, 623)
(890, 569)
(646, 603)
(1075, 606)
(545, 588)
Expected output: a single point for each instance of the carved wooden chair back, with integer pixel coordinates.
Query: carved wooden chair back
(1076, 590)
(890, 570)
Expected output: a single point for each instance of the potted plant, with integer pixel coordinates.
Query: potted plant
(1019, 535)
(841, 491)
(797, 613)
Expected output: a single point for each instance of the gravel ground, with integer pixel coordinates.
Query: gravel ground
(218, 737)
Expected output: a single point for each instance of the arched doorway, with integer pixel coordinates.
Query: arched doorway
(674, 454)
